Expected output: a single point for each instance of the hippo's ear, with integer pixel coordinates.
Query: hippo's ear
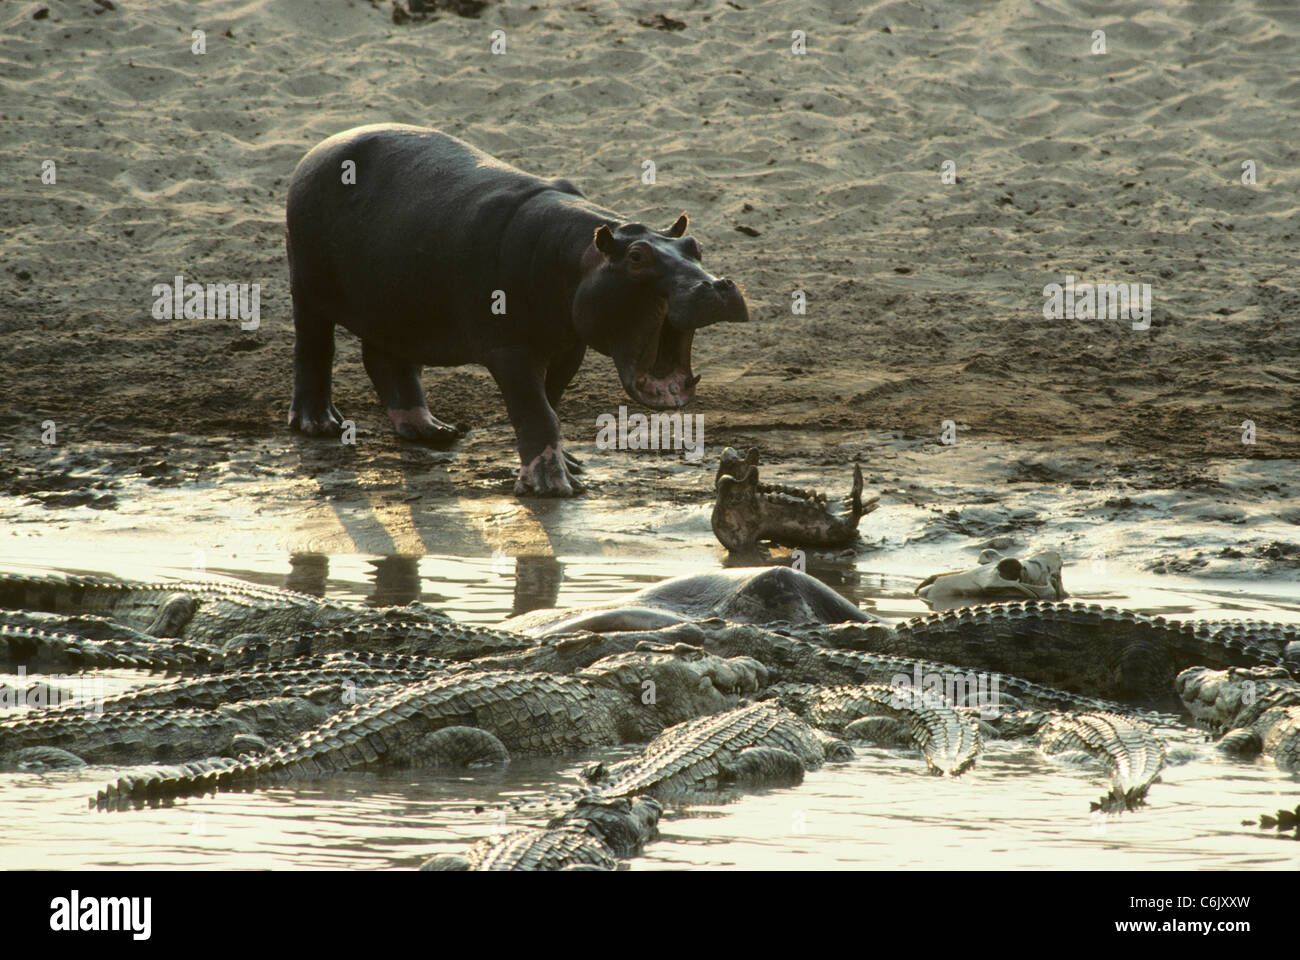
(679, 226)
(605, 242)
(751, 457)
(750, 477)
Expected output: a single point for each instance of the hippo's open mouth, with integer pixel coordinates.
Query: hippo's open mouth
(661, 377)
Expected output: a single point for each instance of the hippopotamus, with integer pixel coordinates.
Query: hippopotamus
(434, 253)
(739, 595)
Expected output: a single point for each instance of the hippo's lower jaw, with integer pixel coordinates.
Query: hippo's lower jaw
(663, 380)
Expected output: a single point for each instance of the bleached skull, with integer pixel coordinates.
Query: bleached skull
(997, 578)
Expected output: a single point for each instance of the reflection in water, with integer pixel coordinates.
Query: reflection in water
(537, 582)
(397, 581)
(308, 573)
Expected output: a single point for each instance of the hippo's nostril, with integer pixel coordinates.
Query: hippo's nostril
(723, 285)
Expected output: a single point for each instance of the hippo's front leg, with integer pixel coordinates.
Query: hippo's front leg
(543, 471)
(558, 376)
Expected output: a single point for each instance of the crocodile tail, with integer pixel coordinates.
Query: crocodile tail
(1120, 801)
(855, 498)
(152, 785)
(1130, 749)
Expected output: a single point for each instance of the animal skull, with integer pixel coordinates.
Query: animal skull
(997, 578)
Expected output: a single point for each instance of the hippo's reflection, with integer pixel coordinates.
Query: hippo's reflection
(308, 573)
(397, 581)
(537, 582)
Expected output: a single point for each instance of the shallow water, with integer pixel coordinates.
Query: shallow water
(1015, 809)
(364, 531)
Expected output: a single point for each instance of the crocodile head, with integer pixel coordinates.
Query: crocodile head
(997, 578)
(1225, 699)
(624, 824)
(733, 463)
(737, 520)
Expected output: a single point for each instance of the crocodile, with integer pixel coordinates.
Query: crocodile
(747, 511)
(39, 649)
(445, 640)
(23, 644)
(762, 744)
(320, 679)
(624, 699)
(1254, 711)
(740, 595)
(1130, 750)
(759, 746)
(793, 659)
(153, 735)
(595, 834)
(194, 610)
(84, 625)
(948, 741)
(1078, 648)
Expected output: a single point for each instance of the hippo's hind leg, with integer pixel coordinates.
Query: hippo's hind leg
(313, 359)
(399, 387)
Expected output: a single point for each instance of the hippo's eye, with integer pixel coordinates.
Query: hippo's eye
(695, 251)
(638, 257)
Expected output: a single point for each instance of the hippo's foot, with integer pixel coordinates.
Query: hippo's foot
(573, 463)
(316, 420)
(418, 424)
(547, 475)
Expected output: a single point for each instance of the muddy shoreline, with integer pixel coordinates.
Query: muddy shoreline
(1110, 515)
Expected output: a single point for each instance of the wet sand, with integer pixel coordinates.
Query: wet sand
(818, 173)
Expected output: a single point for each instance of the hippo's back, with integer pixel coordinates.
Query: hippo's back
(398, 154)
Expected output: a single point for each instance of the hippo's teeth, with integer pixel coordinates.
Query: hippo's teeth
(695, 379)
